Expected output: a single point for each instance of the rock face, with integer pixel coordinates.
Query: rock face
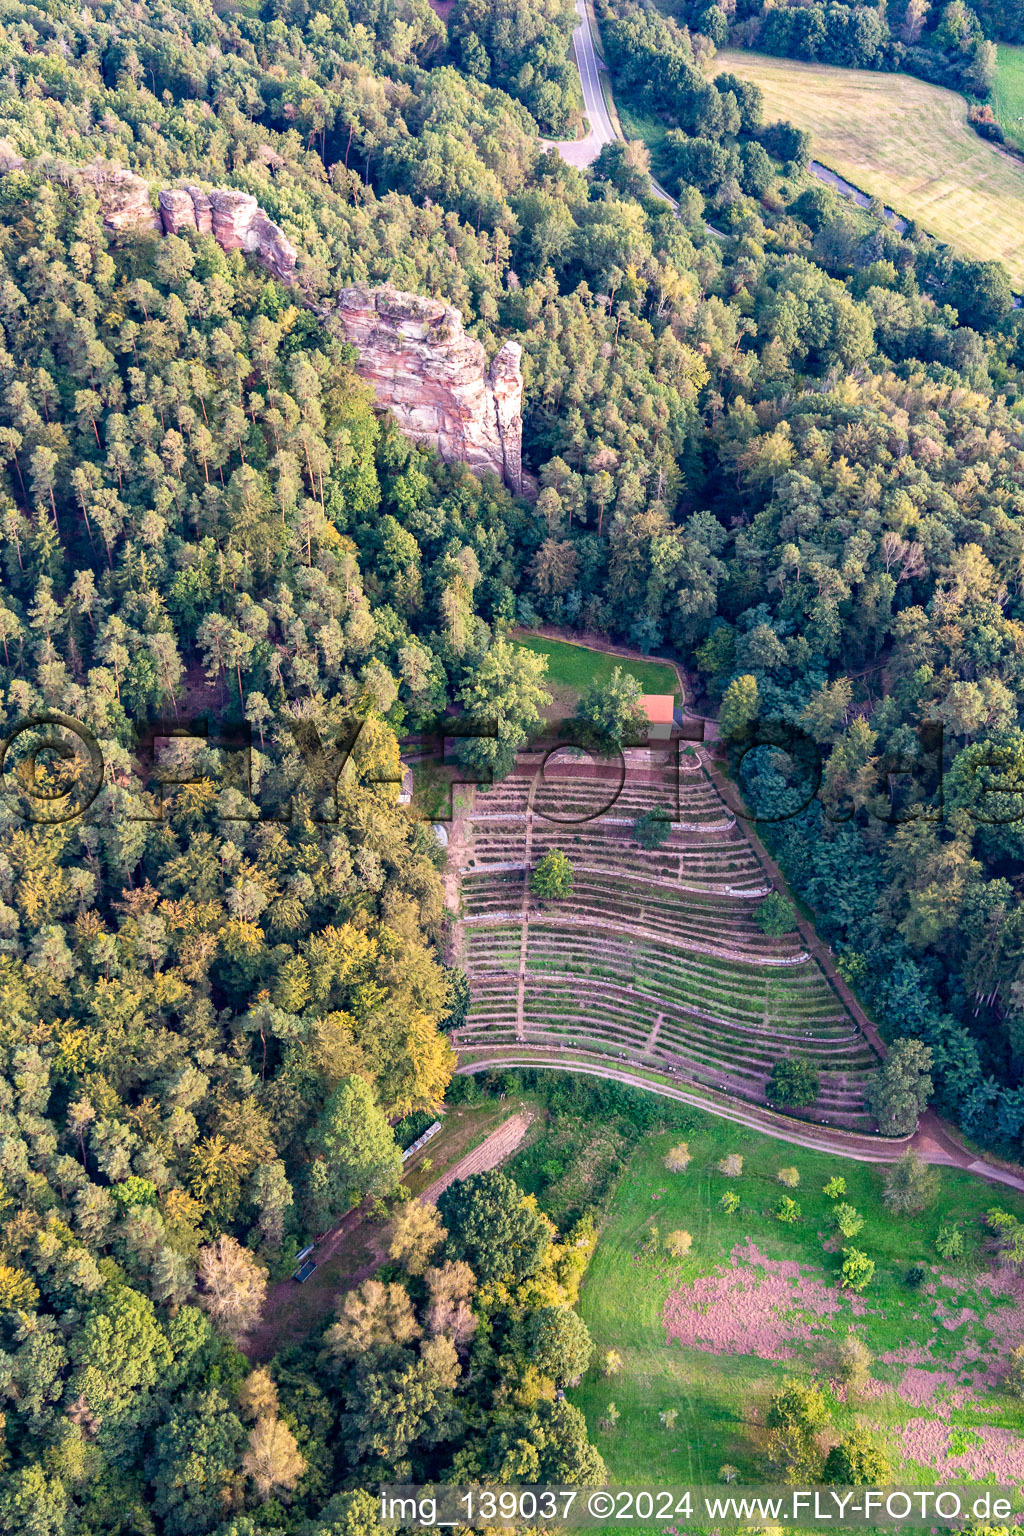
(123, 198)
(235, 220)
(414, 351)
(435, 379)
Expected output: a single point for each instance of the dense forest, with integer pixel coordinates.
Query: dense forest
(792, 456)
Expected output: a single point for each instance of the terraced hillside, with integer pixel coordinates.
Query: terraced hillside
(656, 959)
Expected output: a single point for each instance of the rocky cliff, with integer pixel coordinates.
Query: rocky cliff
(435, 379)
(414, 351)
(235, 220)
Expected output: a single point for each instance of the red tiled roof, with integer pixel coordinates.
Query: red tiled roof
(659, 707)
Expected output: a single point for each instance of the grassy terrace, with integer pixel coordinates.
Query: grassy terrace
(940, 1397)
(908, 143)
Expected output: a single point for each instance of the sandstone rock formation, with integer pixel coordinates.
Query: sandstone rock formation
(435, 379)
(414, 351)
(123, 198)
(235, 220)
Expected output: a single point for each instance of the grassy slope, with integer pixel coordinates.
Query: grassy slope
(906, 142)
(1008, 93)
(624, 1295)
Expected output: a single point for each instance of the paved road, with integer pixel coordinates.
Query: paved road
(586, 61)
(581, 152)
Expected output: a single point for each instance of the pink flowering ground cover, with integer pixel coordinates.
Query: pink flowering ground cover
(771, 1307)
(759, 1306)
(919, 1387)
(985, 1454)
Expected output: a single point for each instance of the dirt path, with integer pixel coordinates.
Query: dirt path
(291, 1311)
(524, 917)
(500, 1144)
(458, 846)
(932, 1141)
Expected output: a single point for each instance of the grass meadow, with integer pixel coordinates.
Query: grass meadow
(780, 1293)
(908, 143)
(1008, 93)
(572, 668)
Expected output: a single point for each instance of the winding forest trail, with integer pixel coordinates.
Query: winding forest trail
(291, 1311)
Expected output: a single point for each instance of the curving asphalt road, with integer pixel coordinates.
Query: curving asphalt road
(581, 152)
(601, 126)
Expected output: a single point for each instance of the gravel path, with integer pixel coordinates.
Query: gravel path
(932, 1141)
(499, 1145)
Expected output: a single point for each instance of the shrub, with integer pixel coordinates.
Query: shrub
(775, 916)
(651, 1243)
(652, 828)
(731, 1165)
(916, 1276)
(730, 1202)
(835, 1189)
(552, 877)
(1009, 1233)
(668, 1417)
(857, 1269)
(677, 1159)
(857, 1460)
(949, 1244)
(910, 1185)
(794, 1082)
(788, 1176)
(853, 1363)
(611, 1362)
(679, 1244)
(848, 1219)
(611, 1417)
(1014, 1379)
(787, 1210)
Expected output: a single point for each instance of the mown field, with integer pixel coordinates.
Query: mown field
(930, 1407)
(906, 142)
(1008, 93)
(572, 668)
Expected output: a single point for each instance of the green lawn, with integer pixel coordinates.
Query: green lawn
(1008, 93)
(906, 142)
(571, 668)
(717, 1396)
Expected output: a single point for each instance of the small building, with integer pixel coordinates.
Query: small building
(660, 711)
